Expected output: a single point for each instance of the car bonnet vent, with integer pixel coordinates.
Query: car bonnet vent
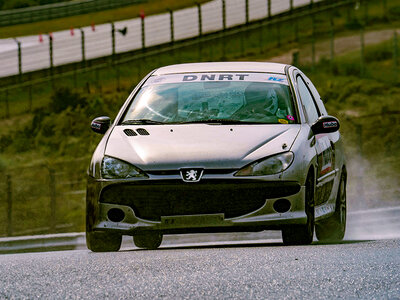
(130, 132)
(142, 131)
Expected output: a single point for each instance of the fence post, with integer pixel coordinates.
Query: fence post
(223, 14)
(113, 40)
(247, 12)
(97, 78)
(118, 75)
(6, 102)
(332, 25)
(50, 35)
(278, 33)
(360, 179)
(293, 20)
(171, 24)
(269, 9)
(395, 53)
(362, 50)
(53, 196)
(384, 9)
(75, 76)
(142, 16)
(294, 23)
(313, 42)
(295, 58)
(261, 39)
(365, 2)
(83, 46)
(9, 206)
(200, 19)
(19, 59)
(30, 97)
(200, 23)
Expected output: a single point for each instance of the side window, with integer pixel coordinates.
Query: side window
(317, 97)
(307, 100)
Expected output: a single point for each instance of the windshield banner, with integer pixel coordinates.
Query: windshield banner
(210, 77)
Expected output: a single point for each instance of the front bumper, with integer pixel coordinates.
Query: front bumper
(172, 206)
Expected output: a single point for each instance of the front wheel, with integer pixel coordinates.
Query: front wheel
(302, 234)
(150, 240)
(333, 228)
(103, 241)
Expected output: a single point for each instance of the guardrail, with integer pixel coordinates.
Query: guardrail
(43, 198)
(31, 53)
(59, 10)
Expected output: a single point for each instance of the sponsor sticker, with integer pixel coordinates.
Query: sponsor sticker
(329, 124)
(217, 77)
(277, 79)
(289, 117)
(283, 121)
(96, 125)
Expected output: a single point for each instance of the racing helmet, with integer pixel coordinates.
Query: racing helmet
(259, 93)
(255, 93)
(271, 102)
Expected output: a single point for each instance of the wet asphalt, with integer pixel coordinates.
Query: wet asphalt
(258, 269)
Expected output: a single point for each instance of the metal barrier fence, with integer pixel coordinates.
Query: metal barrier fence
(26, 54)
(43, 198)
(59, 10)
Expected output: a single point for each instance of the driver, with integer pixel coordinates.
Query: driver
(261, 101)
(272, 104)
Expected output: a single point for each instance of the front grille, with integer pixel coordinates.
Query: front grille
(152, 199)
(205, 172)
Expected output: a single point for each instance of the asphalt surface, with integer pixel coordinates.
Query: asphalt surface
(263, 269)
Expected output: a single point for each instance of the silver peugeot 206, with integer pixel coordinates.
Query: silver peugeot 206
(217, 147)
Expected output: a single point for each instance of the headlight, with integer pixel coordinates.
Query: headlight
(112, 168)
(269, 166)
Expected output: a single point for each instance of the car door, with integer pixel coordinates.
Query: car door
(322, 145)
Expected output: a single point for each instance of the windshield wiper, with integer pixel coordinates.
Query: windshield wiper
(141, 122)
(219, 121)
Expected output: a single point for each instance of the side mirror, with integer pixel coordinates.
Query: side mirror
(101, 124)
(325, 124)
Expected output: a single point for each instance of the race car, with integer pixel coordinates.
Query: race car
(217, 147)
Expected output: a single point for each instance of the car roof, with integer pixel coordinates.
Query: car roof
(236, 66)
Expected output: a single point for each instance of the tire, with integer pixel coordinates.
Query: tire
(148, 240)
(302, 234)
(103, 241)
(333, 228)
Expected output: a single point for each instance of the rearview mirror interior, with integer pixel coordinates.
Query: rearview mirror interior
(325, 124)
(101, 124)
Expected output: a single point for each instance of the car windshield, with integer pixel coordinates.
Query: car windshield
(213, 98)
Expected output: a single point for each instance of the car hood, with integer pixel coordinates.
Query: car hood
(163, 147)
